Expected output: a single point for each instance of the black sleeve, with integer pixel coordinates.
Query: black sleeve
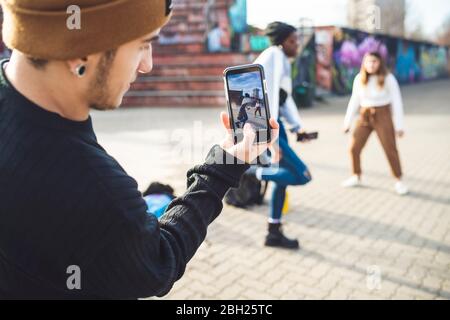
(148, 256)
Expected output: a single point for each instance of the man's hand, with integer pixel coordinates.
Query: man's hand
(246, 150)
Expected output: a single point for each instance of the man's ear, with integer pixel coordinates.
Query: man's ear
(73, 63)
(78, 66)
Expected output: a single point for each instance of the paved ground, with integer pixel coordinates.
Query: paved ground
(356, 244)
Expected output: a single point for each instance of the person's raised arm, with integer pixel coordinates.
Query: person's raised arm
(147, 256)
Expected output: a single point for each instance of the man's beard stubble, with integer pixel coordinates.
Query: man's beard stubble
(99, 97)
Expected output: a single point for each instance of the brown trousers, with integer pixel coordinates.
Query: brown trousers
(380, 120)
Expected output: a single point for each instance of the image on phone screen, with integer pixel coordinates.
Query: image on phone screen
(247, 102)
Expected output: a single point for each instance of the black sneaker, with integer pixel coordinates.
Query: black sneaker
(276, 238)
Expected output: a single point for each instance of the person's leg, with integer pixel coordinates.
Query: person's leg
(275, 236)
(358, 141)
(290, 170)
(277, 202)
(282, 131)
(386, 133)
(299, 172)
(245, 119)
(281, 177)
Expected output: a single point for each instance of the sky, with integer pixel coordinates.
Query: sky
(431, 14)
(244, 81)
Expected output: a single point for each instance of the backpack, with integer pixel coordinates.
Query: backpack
(251, 191)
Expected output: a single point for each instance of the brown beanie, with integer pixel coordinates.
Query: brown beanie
(39, 28)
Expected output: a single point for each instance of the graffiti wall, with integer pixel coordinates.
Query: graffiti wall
(339, 53)
(324, 58)
(226, 26)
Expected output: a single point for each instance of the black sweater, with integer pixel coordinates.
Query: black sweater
(64, 201)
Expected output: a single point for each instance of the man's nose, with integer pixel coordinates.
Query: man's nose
(146, 64)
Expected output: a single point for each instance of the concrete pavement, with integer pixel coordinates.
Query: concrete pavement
(356, 244)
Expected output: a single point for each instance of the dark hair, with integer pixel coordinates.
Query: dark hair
(37, 63)
(247, 95)
(157, 187)
(278, 32)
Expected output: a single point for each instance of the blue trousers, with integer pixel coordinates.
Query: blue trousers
(291, 172)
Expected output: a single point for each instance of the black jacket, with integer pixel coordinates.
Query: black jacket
(65, 202)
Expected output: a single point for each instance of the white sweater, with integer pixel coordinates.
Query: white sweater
(372, 96)
(277, 70)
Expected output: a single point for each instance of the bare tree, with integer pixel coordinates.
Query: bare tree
(416, 33)
(444, 34)
(392, 17)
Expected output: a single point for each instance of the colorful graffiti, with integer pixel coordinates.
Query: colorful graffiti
(433, 61)
(324, 59)
(410, 61)
(349, 48)
(238, 23)
(227, 28)
(407, 66)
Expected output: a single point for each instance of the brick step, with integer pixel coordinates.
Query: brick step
(184, 28)
(190, 83)
(175, 19)
(200, 4)
(180, 38)
(174, 99)
(199, 70)
(173, 86)
(180, 48)
(184, 74)
(196, 10)
(176, 93)
(230, 58)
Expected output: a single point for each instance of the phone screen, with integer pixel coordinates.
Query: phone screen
(248, 101)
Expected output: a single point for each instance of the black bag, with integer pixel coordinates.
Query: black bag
(159, 188)
(251, 191)
(283, 97)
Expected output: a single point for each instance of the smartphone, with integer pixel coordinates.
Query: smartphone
(307, 135)
(246, 93)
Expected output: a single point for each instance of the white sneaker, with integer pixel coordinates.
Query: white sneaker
(401, 188)
(353, 181)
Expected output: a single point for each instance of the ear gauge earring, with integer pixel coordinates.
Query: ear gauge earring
(80, 70)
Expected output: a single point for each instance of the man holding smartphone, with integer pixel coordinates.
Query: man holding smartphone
(65, 204)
